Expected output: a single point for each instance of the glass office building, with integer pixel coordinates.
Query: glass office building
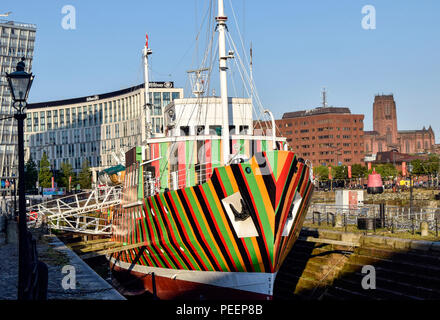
(16, 41)
(99, 128)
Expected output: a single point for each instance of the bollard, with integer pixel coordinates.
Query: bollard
(424, 229)
(436, 226)
(338, 221)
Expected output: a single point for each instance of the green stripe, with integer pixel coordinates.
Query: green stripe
(186, 226)
(229, 190)
(177, 235)
(222, 227)
(261, 208)
(163, 165)
(166, 238)
(153, 236)
(190, 179)
(215, 153)
(203, 227)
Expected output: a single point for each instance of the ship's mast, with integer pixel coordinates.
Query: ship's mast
(146, 110)
(221, 27)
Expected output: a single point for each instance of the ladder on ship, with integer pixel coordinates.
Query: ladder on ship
(87, 212)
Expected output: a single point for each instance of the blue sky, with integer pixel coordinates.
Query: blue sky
(299, 47)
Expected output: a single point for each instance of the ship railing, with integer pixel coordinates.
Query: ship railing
(179, 179)
(393, 218)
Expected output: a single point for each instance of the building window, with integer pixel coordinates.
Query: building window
(78, 110)
(35, 117)
(166, 99)
(73, 117)
(175, 95)
(157, 104)
(42, 121)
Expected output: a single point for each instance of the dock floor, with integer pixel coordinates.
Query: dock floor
(89, 285)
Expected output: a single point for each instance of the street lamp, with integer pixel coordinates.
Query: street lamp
(19, 83)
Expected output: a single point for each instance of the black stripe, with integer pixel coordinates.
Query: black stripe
(169, 232)
(293, 169)
(181, 232)
(263, 164)
(219, 191)
(246, 196)
(152, 246)
(196, 231)
(211, 224)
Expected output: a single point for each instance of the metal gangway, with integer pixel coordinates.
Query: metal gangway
(87, 212)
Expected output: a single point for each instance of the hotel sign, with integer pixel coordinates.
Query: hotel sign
(93, 98)
(163, 84)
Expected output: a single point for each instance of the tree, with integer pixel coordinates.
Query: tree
(85, 176)
(30, 175)
(386, 170)
(321, 173)
(358, 171)
(340, 172)
(66, 172)
(45, 175)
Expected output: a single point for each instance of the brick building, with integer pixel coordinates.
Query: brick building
(386, 137)
(325, 135)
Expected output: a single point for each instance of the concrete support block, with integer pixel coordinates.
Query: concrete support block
(424, 229)
(339, 223)
(421, 245)
(12, 232)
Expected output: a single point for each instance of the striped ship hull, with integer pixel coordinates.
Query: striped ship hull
(197, 244)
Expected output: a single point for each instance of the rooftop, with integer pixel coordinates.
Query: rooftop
(17, 24)
(316, 111)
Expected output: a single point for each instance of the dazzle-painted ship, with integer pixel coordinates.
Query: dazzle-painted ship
(211, 207)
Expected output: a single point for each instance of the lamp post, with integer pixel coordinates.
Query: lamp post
(410, 169)
(19, 83)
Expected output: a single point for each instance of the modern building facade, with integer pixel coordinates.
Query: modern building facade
(325, 135)
(385, 136)
(99, 128)
(16, 41)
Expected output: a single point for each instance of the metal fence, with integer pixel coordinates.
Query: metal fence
(393, 218)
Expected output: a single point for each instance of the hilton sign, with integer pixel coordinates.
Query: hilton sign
(165, 84)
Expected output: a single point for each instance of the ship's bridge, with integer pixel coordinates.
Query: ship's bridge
(203, 116)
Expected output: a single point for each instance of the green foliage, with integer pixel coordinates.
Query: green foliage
(429, 166)
(386, 170)
(359, 171)
(66, 172)
(30, 176)
(85, 176)
(45, 175)
(321, 173)
(340, 172)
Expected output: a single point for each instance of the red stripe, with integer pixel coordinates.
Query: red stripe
(152, 239)
(194, 251)
(258, 218)
(171, 234)
(217, 229)
(162, 238)
(199, 229)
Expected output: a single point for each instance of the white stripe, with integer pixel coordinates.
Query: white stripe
(258, 282)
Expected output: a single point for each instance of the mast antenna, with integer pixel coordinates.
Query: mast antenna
(324, 98)
(146, 110)
(221, 27)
